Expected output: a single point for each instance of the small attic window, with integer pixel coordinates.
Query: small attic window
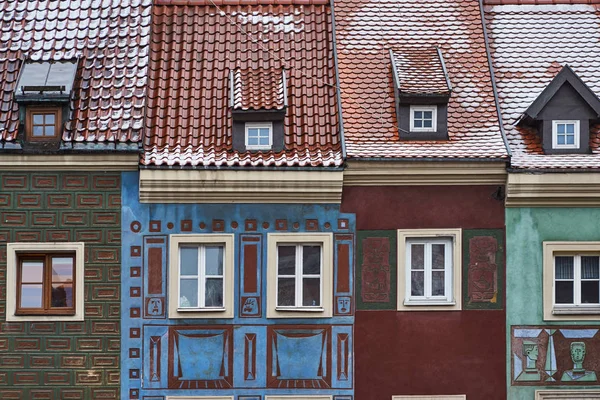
(259, 135)
(565, 134)
(423, 118)
(42, 123)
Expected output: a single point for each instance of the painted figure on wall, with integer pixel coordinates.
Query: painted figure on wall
(376, 270)
(530, 352)
(483, 271)
(578, 373)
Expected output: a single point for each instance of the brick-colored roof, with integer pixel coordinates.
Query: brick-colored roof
(258, 89)
(530, 44)
(367, 30)
(194, 49)
(420, 71)
(110, 39)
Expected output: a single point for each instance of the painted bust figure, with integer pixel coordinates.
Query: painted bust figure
(530, 352)
(578, 373)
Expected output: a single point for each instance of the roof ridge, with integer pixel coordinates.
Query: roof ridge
(240, 2)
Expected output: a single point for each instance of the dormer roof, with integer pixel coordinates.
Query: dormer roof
(420, 71)
(46, 81)
(195, 48)
(565, 75)
(258, 89)
(109, 39)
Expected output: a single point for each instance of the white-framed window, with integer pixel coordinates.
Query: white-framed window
(45, 281)
(571, 280)
(429, 269)
(303, 397)
(434, 397)
(567, 394)
(423, 118)
(199, 397)
(300, 273)
(201, 276)
(565, 134)
(259, 135)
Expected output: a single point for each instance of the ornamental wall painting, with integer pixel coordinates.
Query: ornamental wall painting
(554, 355)
(376, 262)
(483, 269)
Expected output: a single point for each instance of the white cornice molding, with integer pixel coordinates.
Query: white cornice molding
(400, 173)
(69, 162)
(240, 186)
(553, 190)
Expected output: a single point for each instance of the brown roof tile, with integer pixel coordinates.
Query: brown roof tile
(255, 89)
(530, 44)
(420, 71)
(367, 30)
(109, 38)
(193, 51)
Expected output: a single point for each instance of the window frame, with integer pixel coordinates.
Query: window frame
(576, 133)
(453, 300)
(416, 108)
(325, 240)
(178, 240)
(29, 113)
(258, 125)
(199, 398)
(14, 250)
(298, 397)
(573, 312)
(298, 277)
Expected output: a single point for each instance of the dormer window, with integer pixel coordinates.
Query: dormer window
(259, 136)
(422, 90)
(42, 123)
(258, 101)
(423, 118)
(563, 113)
(565, 134)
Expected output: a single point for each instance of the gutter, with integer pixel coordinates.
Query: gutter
(338, 89)
(493, 78)
(429, 159)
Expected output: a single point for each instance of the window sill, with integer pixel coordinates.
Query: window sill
(259, 148)
(300, 309)
(195, 310)
(576, 310)
(428, 303)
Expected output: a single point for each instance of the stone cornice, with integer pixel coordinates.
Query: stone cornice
(69, 162)
(553, 190)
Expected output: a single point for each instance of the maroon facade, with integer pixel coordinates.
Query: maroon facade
(428, 352)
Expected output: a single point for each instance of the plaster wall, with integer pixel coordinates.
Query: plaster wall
(526, 229)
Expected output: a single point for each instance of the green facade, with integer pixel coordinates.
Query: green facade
(56, 360)
(526, 230)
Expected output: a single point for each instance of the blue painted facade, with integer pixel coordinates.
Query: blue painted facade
(248, 356)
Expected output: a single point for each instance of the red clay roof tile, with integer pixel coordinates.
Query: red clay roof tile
(420, 71)
(111, 41)
(255, 89)
(530, 44)
(367, 30)
(194, 49)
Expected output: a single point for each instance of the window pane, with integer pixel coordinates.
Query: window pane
(49, 119)
(560, 139)
(417, 256)
(418, 115)
(560, 129)
(252, 141)
(49, 130)
(427, 115)
(564, 292)
(214, 292)
(311, 260)
(570, 128)
(589, 292)
(438, 283)
(188, 293)
(563, 267)
(62, 269)
(589, 267)
(263, 132)
(418, 123)
(264, 141)
(286, 260)
(31, 296)
(31, 271)
(311, 292)
(253, 132)
(438, 256)
(38, 119)
(417, 283)
(62, 295)
(214, 260)
(570, 139)
(286, 292)
(188, 257)
(38, 130)
(427, 123)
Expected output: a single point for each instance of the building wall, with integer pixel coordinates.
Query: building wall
(55, 360)
(252, 351)
(526, 230)
(427, 352)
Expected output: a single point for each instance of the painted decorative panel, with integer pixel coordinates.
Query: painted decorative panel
(483, 269)
(250, 262)
(555, 355)
(376, 270)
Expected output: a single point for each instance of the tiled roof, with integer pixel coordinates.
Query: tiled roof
(194, 49)
(256, 89)
(367, 30)
(420, 71)
(109, 39)
(530, 44)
